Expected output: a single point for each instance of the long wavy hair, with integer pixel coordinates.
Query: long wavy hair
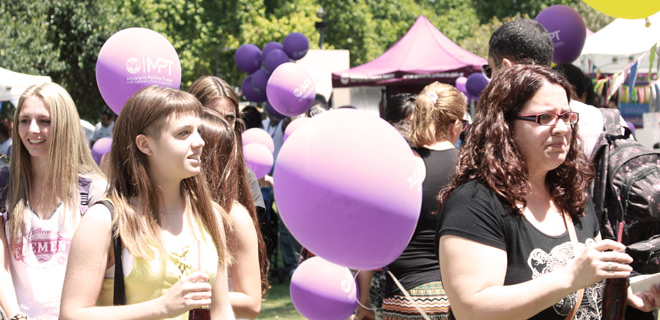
(491, 156)
(224, 168)
(68, 157)
(436, 108)
(146, 113)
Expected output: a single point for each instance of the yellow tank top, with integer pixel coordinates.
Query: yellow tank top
(148, 279)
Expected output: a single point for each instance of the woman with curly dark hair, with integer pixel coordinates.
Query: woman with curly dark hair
(518, 237)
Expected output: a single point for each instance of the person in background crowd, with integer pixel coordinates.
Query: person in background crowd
(5, 137)
(224, 169)
(582, 85)
(175, 255)
(103, 128)
(217, 95)
(399, 110)
(437, 122)
(52, 180)
(252, 117)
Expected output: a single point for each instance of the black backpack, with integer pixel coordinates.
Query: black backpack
(626, 192)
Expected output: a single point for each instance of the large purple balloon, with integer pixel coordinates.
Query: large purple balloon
(101, 147)
(346, 172)
(295, 125)
(270, 46)
(476, 83)
(567, 30)
(258, 158)
(248, 58)
(249, 92)
(296, 45)
(272, 112)
(260, 136)
(274, 59)
(132, 59)
(322, 290)
(259, 80)
(290, 89)
(460, 85)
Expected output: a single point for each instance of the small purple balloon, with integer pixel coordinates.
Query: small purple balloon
(258, 158)
(275, 58)
(567, 30)
(248, 58)
(260, 136)
(249, 93)
(272, 112)
(259, 81)
(291, 89)
(270, 46)
(331, 187)
(101, 147)
(460, 85)
(295, 125)
(476, 83)
(296, 45)
(322, 290)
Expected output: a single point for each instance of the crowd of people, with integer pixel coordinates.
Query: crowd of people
(177, 224)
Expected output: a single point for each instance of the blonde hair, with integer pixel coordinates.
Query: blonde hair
(68, 156)
(437, 107)
(145, 113)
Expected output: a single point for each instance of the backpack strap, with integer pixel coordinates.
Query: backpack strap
(119, 294)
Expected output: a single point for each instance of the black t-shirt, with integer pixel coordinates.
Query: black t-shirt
(418, 264)
(474, 212)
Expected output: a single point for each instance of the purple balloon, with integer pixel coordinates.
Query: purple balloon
(294, 125)
(476, 83)
(290, 89)
(270, 46)
(101, 147)
(272, 112)
(460, 85)
(132, 59)
(567, 30)
(259, 81)
(331, 187)
(248, 58)
(275, 58)
(258, 158)
(260, 136)
(296, 45)
(322, 290)
(249, 93)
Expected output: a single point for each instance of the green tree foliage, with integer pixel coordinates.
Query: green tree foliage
(62, 38)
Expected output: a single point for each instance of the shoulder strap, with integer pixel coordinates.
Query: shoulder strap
(568, 222)
(119, 294)
(83, 189)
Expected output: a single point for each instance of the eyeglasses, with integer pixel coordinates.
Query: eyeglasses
(465, 124)
(488, 72)
(551, 119)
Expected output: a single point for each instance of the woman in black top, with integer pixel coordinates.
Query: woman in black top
(437, 122)
(508, 216)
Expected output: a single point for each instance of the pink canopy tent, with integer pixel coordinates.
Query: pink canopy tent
(421, 56)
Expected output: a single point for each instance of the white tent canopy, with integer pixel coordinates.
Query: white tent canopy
(13, 84)
(620, 43)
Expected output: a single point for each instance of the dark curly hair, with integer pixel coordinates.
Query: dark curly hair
(521, 41)
(491, 156)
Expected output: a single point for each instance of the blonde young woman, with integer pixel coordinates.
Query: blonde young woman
(437, 122)
(52, 179)
(224, 168)
(175, 255)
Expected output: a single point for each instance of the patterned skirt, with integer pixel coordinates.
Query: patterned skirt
(429, 297)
